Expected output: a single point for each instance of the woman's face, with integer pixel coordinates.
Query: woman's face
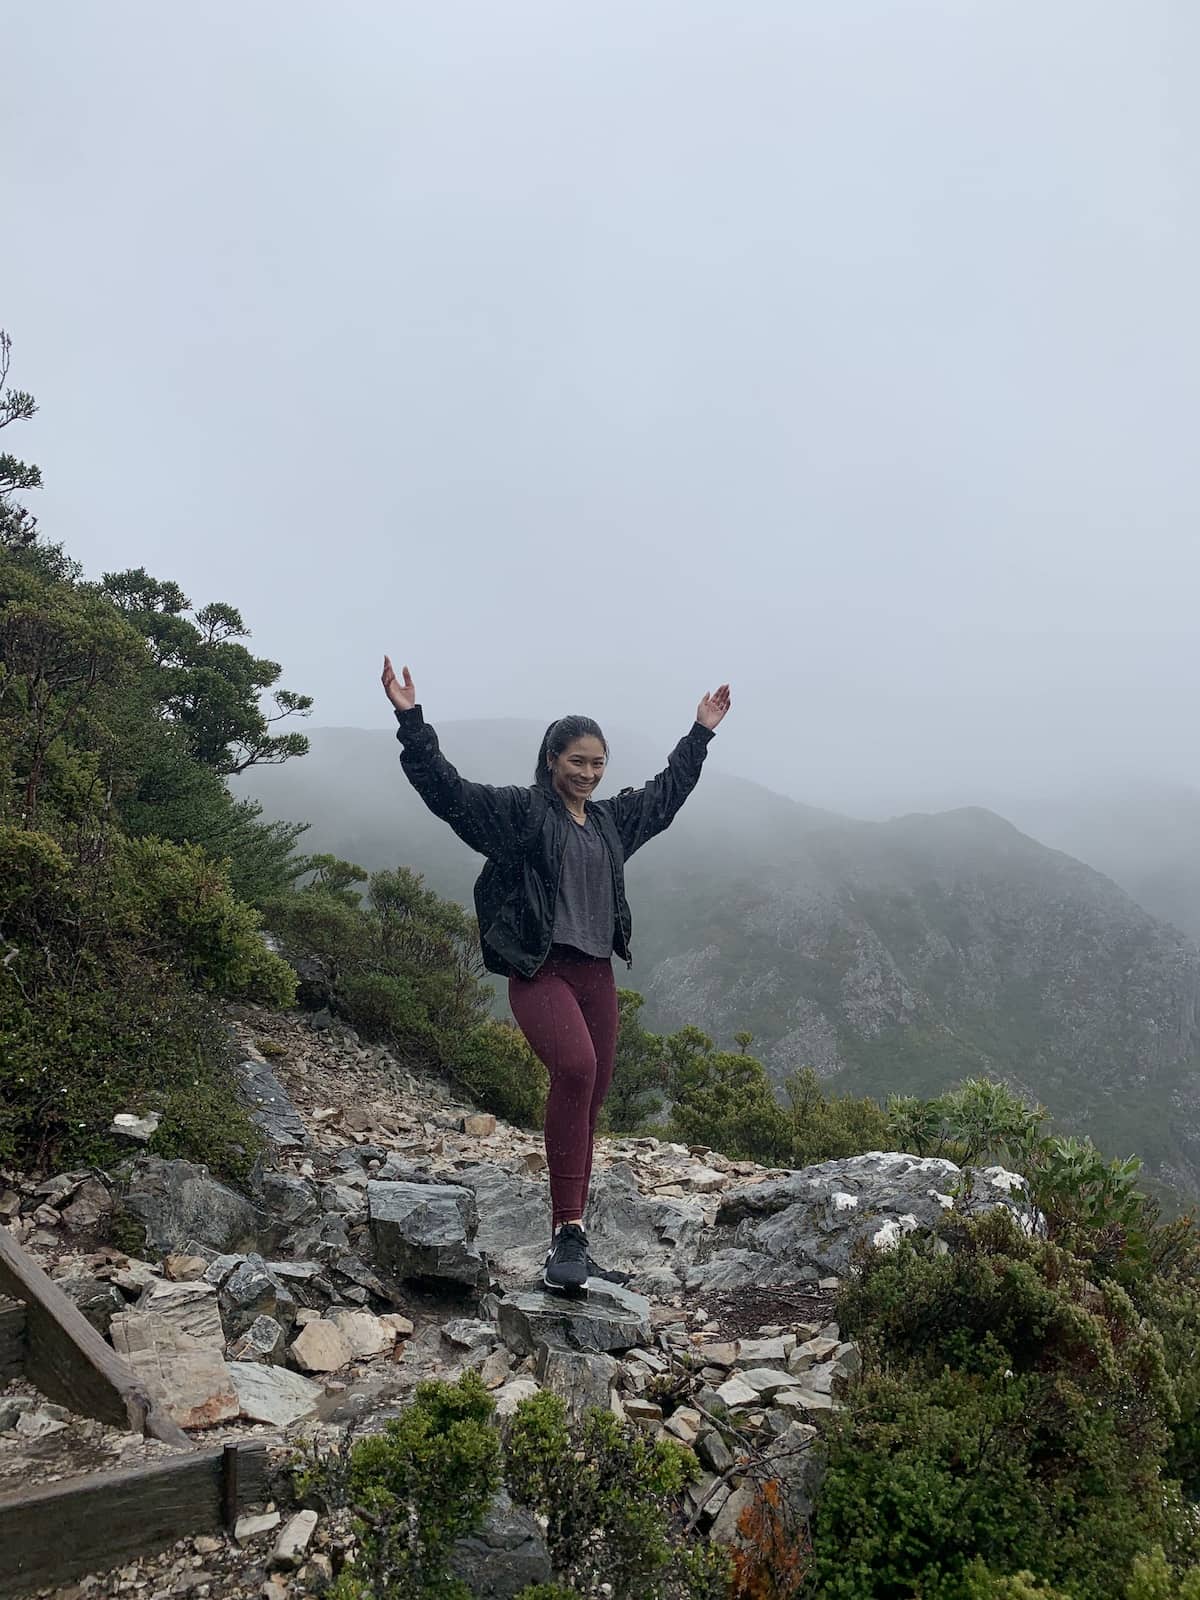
(578, 770)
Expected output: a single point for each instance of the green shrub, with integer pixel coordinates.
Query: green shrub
(497, 1069)
(830, 1129)
(1153, 1579)
(639, 1072)
(404, 968)
(1012, 1413)
(976, 1118)
(611, 1500)
(98, 1005)
(416, 1488)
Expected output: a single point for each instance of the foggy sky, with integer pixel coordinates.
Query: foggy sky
(584, 355)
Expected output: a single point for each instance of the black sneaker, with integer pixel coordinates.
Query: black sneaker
(566, 1269)
(606, 1274)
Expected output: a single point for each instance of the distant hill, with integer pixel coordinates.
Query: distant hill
(891, 956)
(1145, 836)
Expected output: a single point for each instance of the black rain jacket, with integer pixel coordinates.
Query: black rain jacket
(523, 834)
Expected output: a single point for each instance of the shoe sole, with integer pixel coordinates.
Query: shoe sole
(569, 1291)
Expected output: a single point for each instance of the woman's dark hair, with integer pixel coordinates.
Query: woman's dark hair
(558, 736)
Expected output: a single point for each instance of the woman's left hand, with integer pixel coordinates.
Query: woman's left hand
(713, 707)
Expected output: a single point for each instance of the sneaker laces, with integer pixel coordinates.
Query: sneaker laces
(570, 1244)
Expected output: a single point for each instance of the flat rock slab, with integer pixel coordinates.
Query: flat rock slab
(270, 1106)
(611, 1319)
(187, 1377)
(274, 1395)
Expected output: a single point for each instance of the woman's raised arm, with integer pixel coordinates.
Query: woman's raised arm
(490, 820)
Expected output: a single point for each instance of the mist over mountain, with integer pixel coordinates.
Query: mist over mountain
(894, 956)
(1145, 835)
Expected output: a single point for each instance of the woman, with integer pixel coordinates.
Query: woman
(552, 910)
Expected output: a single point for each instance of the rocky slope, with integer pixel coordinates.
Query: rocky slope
(391, 1234)
(892, 957)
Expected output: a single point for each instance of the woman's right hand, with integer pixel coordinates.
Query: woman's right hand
(402, 695)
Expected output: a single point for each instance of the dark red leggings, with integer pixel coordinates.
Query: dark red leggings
(568, 1012)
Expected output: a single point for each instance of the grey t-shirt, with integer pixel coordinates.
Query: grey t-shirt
(585, 916)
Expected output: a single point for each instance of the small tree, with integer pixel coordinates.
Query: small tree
(204, 680)
(18, 527)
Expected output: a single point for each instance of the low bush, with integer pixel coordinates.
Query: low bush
(1014, 1418)
(101, 1006)
(496, 1068)
(610, 1500)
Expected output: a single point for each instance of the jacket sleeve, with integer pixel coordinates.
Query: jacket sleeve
(487, 819)
(650, 809)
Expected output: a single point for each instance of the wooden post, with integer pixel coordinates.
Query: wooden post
(12, 1340)
(229, 1485)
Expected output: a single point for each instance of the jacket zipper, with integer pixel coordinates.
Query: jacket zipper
(612, 867)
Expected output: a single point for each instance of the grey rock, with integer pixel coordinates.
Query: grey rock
(514, 1218)
(426, 1231)
(764, 1352)
(97, 1300)
(294, 1539)
(768, 1381)
(141, 1129)
(817, 1380)
(725, 1528)
(353, 1269)
(263, 1340)
(714, 1453)
(512, 1394)
(185, 1375)
(38, 1423)
(90, 1206)
(729, 1268)
(847, 1361)
(290, 1200)
(275, 1395)
(470, 1333)
(654, 1237)
(612, 1319)
(356, 1157)
(402, 1169)
(251, 1291)
(343, 1199)
(324, 1238)
(305, 1281)
(270, 1106)
(798, 1459)
(174, 1202)
(582, 1379)
(736, 1393)
(191, 1309)
(811, 1222)
(506, 1555)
